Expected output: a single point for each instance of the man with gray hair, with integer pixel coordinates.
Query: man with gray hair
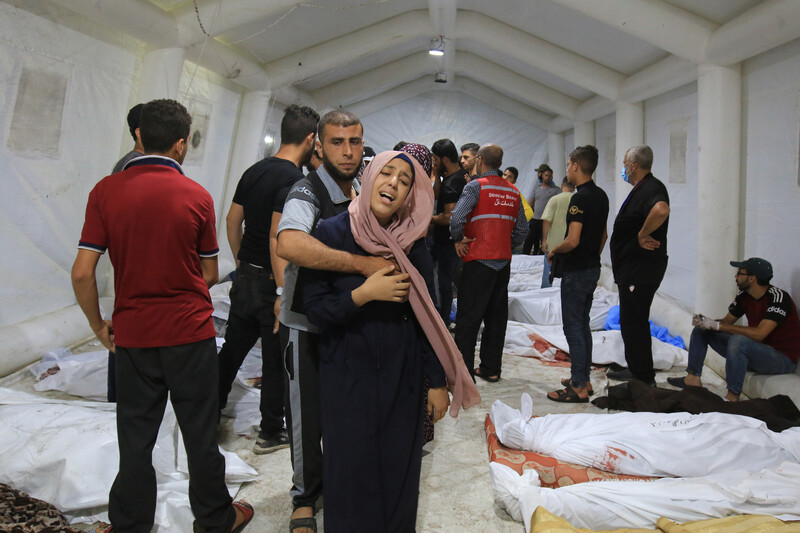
(639, 260)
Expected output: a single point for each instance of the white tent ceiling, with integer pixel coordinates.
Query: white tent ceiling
(558, 60)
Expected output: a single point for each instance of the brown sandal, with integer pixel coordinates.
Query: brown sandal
(567, 395)
(567, 382)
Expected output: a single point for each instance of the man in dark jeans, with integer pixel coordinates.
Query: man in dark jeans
(255, 295)
(586, 235)
(445, 160)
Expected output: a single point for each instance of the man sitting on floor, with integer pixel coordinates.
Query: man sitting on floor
(769, 344)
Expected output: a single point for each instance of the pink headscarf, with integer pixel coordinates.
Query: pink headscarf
(409, 224)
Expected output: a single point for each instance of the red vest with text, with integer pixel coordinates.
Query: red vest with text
(491, 221)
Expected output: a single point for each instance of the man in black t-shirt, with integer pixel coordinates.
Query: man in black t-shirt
(580, 252)
(639, 260)
(255, 295)
(445, 159)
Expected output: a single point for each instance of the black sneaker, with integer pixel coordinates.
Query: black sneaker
(265, 444)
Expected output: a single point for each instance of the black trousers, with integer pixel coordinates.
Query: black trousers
(188, 373)
(252, 316)
(533, 242)
(301, 359)
(482, 297)
(634, 321)
(446, 264)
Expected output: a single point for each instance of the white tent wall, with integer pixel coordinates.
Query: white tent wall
(606, 142)
(676, 110)
(461, 118)
(569, 145)
(61, 115)
(771, 221)
(213, 103)
(66, 90)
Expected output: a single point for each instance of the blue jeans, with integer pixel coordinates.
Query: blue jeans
(546, 274)
(741, 353)
(577, 289)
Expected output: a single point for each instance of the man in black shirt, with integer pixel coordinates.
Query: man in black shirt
(255, 295)
(445, 160)
(639, 260)
(586, 236)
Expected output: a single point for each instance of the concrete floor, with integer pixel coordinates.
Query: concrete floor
(455, 491)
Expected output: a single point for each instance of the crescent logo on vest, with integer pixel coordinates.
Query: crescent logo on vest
(574, 210)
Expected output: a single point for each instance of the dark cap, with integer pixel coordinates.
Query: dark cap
(543, 168)
(755, 266)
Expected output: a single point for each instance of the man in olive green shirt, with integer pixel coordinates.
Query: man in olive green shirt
(554, 224)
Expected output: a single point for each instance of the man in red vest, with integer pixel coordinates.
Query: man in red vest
(486, 223)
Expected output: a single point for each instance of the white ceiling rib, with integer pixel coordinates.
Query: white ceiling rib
(518, 52)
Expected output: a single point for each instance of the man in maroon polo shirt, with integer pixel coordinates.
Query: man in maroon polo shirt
(159, 229)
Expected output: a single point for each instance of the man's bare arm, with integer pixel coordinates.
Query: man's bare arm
(545, 233)
(603, 241)
(210, 269)
(278, 265)
(443, 219)
(658, 214)
(571, 241)
(302, 249)
(84, 284)
(233, 226)
(757, 333)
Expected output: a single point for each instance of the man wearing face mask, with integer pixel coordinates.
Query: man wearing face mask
(639, 260)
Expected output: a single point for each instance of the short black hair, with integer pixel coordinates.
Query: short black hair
(445, 148)
(399, 146)
(565, 182)
(586, 157)
(764, 282)
(337, 117)
(470, 147)
(297, 123)
(134, 118)
(163, 123)
(514, 171)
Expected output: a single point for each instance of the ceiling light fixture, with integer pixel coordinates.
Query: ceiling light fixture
(437, 46)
